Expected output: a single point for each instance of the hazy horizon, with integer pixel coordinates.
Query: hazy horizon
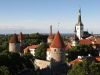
(31, 16)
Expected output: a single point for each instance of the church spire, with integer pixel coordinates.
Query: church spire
(79, 17)
(79, 26)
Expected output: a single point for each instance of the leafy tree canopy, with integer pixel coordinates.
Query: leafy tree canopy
(40, 52)
(4, 70)
(85, 68)
(81, 50)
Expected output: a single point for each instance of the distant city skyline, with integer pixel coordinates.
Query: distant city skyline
(31, 16)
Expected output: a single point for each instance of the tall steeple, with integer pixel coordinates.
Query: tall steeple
(79, 18)
(79, 26)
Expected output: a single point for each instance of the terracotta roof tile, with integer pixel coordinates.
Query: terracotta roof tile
(75, 61)
(13, 39)
(98, 59)
(97, 41)
(33, 46)
(27, 49)
(79, 60)
(85, 42)
(57, 42)
(68, 46)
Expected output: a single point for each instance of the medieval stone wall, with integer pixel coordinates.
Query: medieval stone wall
(41, 63)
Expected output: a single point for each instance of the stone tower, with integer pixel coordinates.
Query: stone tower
(21, 39)
(14, 44)
(50, 37)
(57, 48)
(79, 28)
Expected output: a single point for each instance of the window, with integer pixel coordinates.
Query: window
(54, 50)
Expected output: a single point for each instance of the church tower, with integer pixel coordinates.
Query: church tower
(79, 28)
(50, 37)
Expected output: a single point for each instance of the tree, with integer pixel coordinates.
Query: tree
(4, 70)
(85, 67)
(40, 52)
(28, 61)
(81, 50)
(5, 45)
(16, 63)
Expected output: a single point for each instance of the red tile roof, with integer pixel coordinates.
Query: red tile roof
(68, 46)
(85, 42)
(98, 59)
(75, 61)
(26, 50)
(97, 41)
(13, 39)
(57, 42)
(79, 60)
(33, 46)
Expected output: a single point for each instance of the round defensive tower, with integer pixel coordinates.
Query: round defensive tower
(14, 44)
(57, 48)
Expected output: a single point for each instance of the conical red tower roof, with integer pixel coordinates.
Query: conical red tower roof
(57, 42)
(13, 39)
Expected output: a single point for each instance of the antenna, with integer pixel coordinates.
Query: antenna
(58, 25)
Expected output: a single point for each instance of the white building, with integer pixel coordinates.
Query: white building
(31, 49)
(79, 28)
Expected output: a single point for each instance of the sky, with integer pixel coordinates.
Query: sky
(31, 16)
